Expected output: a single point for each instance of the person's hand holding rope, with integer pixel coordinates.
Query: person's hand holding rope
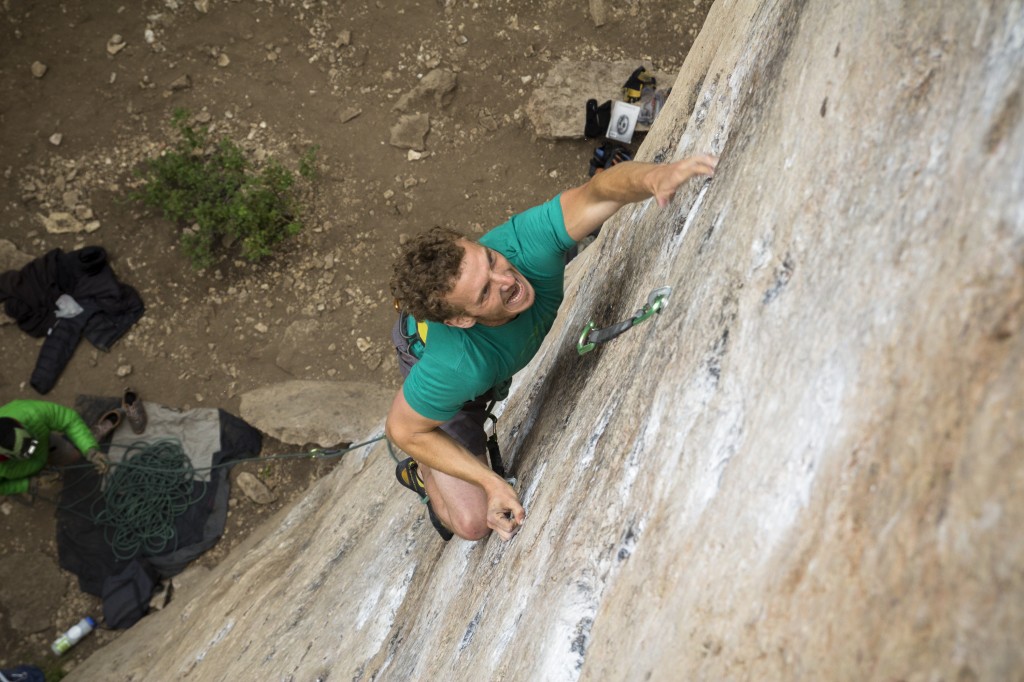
(98, 460)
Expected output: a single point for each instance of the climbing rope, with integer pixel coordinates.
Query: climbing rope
(591, 336)
(144, 495)
(154, 484)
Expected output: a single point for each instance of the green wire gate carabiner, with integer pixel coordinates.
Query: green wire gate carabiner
(590, 337)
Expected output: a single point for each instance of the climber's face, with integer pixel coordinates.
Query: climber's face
(489, 288)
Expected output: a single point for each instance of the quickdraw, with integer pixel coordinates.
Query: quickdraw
(591, 336)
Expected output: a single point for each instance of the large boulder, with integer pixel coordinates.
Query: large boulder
(557, 106)
(807, 466)
(322, 412)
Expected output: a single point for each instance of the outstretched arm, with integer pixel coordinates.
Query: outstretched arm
(585, 208)
(65, 420)
(421, 438)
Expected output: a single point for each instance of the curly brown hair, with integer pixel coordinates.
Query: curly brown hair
(426, 272)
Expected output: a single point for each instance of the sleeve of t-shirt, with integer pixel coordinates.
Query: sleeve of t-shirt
(534, 240)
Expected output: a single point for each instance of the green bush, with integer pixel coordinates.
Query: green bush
(215, 193)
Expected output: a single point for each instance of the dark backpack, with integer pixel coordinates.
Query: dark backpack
(23, 673)
(126, 595)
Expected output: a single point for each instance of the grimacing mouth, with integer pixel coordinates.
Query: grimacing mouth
(516, 293)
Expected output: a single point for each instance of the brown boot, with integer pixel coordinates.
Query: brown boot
(106, 424)
(134, 410)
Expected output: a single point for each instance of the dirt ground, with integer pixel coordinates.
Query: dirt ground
(277, 77)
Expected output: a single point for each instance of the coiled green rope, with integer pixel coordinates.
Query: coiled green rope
(145, 493)
(153, 484)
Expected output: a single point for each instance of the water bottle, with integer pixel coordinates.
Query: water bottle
(74, 633)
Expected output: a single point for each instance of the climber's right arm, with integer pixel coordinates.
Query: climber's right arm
(587, 207)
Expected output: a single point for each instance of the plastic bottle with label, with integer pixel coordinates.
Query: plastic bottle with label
(73, 635)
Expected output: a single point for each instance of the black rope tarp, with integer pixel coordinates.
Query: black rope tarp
(82, 545)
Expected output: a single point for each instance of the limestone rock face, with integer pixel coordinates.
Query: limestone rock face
(808, 466)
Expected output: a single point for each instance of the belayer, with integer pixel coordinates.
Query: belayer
(34, 433)
(475, 313)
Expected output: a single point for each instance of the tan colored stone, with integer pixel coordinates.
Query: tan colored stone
(255, 489)
(115, 44)
(807, 466)
(557, 106)
(322, 412)
(61, 222)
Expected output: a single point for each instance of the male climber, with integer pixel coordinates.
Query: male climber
(487, 306)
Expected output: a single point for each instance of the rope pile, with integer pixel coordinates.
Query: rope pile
(154, 484)
(145, 493)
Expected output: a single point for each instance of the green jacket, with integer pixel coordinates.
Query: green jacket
(40, 418)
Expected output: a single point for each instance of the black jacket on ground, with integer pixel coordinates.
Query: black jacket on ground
(30, 295)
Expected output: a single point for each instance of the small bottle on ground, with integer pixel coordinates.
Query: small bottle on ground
(73, 635)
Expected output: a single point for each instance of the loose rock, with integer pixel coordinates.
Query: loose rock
(299, 348)
(348, 114)
(255, 489)
(180, 83)
(39, 69)
(437, 86)
(61, 222)
(488, 120)
(115, 44)
(410, 132)
(11, 258)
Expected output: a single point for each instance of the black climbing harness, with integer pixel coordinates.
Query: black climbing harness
(493, 452)
(591, 336)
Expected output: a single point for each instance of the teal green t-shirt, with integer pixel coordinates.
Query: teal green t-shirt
(461, 364)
